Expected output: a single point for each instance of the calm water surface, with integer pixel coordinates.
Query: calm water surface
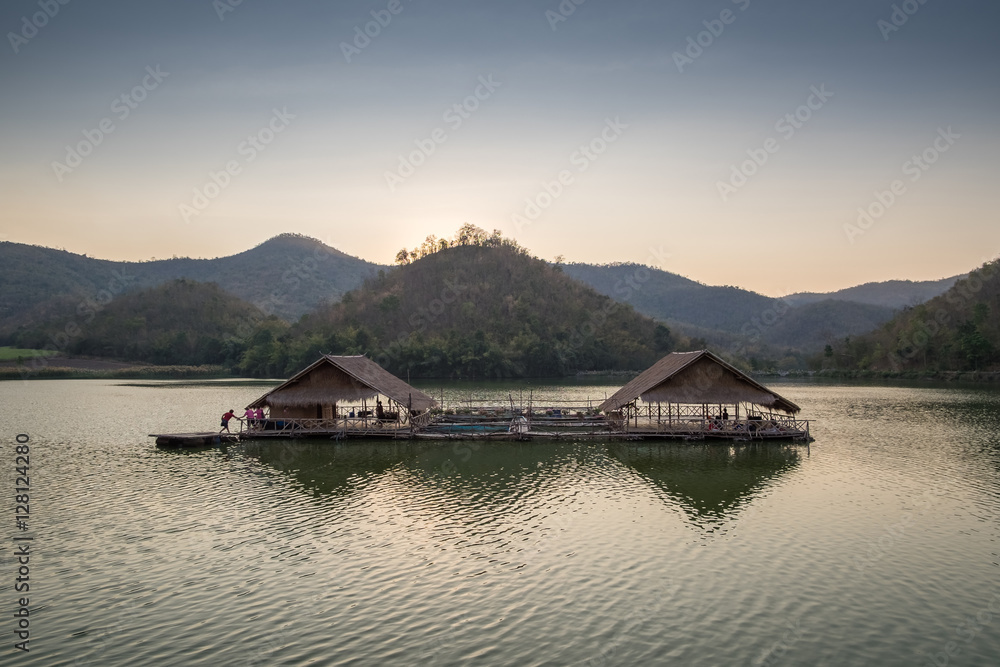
(877, 545)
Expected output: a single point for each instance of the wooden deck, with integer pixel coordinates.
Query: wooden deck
(776, 428)
(501, 425)
(339, 428)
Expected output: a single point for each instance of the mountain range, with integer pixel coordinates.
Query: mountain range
(958, 330)
(292, 275)
(286, 276)
(893, 294)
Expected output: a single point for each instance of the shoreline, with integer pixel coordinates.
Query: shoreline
(82, 368)
(981, 377)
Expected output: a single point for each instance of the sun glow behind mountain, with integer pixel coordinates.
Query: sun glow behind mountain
(737, 143)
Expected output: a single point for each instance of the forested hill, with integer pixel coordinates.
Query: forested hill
(668, 296)
(287, 276)
(959, 330)
(483, 308)
(178, 322)
(735, 318)
(893, 294)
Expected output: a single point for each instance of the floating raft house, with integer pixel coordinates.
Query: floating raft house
(697, 395)
(341, 396)
(685, 395)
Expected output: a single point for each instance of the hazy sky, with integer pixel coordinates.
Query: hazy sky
(731, 141)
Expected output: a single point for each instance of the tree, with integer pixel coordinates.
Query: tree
(662, 339)
(976, 349)
(469, 234)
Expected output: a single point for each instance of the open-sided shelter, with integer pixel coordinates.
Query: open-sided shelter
(316, 391)
(683, 388)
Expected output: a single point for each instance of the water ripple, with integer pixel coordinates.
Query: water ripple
(868, 547)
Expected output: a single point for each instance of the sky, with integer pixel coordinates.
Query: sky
(778, 146)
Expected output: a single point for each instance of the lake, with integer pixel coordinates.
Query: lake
(878, 544)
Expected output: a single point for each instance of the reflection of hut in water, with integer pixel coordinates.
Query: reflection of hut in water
(698, 395)
(324, 468)
(342, 396)
(501, 476)
(708, 482)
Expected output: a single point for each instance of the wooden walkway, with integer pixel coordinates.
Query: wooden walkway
(501, 427)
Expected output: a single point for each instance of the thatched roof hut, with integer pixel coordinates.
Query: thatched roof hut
(696, 378)
(332, 379)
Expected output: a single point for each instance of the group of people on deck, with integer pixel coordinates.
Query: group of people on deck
(754, 424)
(251, 416)
(720, 420)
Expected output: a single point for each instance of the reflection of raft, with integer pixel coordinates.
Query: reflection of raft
(192, 439)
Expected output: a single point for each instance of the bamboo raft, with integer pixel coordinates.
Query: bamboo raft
(494, 424)
(193, 439)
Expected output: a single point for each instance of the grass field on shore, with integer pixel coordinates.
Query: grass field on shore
(12, 353)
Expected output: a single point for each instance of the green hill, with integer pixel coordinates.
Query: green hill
(667, 296)
(179, 322)
(480, 309)
(956, 331)
(812, 325)
(894, 294)
(286, 276)
(748, 324)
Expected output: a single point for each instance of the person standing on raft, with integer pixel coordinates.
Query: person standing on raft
(225, 420)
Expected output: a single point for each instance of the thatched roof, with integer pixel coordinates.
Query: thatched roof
(696, 378)
(334, 379)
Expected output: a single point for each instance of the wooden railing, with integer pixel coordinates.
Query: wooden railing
(302, 426)
(772, 426)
